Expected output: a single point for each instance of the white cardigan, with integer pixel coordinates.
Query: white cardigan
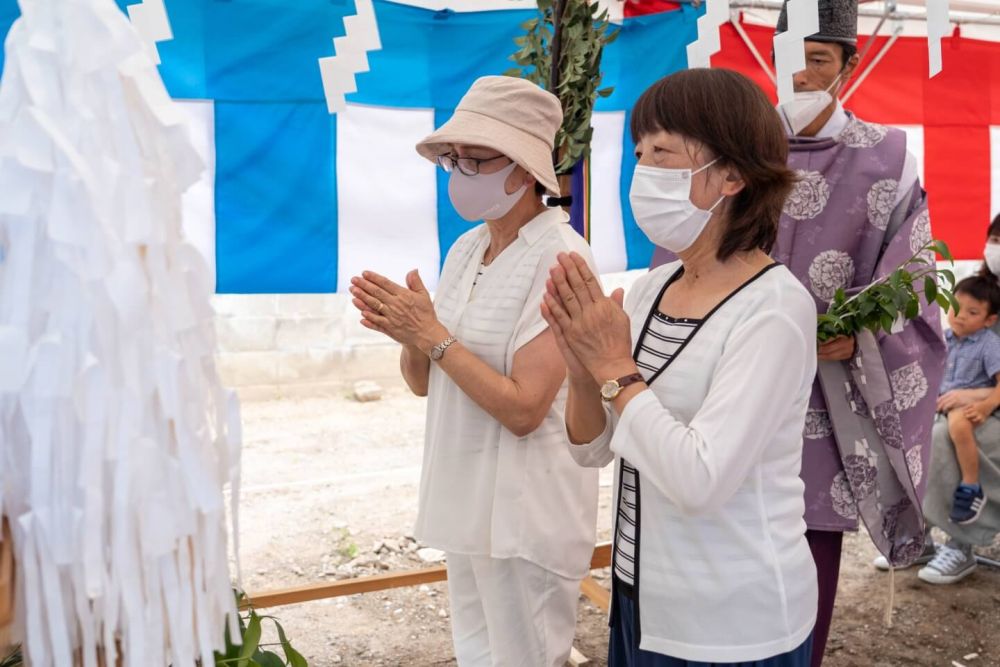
(724, 571)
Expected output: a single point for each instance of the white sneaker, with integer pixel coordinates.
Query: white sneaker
(926, 556)
(950, 565)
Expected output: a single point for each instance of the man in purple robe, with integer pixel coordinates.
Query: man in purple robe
(856, 214)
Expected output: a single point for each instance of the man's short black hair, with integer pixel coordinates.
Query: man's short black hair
(981, 288)
(848, 50)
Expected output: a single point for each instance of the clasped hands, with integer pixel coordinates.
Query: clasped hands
(405, 314)
(591, 330)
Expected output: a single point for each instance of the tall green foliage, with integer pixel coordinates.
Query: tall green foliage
(584, 32)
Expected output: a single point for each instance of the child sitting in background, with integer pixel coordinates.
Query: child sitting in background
(973, 363)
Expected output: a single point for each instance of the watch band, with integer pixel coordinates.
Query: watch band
(630, 379)
(611, 388)
(438, 350)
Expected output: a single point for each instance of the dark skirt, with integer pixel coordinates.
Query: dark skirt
(623, 649)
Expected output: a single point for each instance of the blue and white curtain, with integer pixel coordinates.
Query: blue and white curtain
(297, 200)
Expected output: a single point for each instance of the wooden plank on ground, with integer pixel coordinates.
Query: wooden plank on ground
(577, 659)
(601, 557)
(598, 594)
(333, 589)
(380, 582)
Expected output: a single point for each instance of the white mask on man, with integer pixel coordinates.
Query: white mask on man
(991, 254)
(806, 107)
(483, 196)
(662, 206)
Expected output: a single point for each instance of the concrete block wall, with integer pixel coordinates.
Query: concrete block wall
(279, 345)
(287, 345)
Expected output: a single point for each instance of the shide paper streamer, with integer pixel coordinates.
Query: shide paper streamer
(699, 52)
(150, 20)
(338, 71)
(789, 46)
(937, 27)
(116, 436)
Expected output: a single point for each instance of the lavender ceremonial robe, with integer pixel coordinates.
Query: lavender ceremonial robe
(868, 430)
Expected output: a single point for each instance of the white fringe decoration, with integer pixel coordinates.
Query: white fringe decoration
(116, 436)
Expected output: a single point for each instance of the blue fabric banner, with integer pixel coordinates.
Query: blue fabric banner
(279, 232)
(275, 145)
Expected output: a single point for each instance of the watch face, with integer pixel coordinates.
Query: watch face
(609, 390)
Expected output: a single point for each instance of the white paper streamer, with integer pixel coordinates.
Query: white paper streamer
(150, 20)
(116, 435)
(351, 57)
(699, 52)
(789, 46)
(937, 27)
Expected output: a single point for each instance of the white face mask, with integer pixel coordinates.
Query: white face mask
(661, 204)
(992, 256)
(483, 196)
(806, 107)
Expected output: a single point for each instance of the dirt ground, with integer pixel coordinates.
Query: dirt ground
(330, 492)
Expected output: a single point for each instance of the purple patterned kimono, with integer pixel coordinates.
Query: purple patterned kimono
(868, 429)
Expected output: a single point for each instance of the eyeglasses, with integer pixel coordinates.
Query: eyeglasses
(467, 165)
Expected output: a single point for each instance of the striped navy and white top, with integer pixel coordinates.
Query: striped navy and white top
(657, 346)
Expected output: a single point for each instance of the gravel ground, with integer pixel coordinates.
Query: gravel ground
(330, 492)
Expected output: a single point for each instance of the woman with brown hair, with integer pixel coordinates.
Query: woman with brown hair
(698, 389)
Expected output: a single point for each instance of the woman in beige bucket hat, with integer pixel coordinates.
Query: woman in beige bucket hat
(499, 492)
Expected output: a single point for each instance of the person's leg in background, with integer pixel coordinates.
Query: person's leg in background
(969, 499)
(953, 562)
(530, 612)
(826, 546)
(963, 434)
(468, 620)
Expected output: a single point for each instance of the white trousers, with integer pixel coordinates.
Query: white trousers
(509, 612)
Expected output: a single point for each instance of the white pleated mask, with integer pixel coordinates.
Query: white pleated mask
(483, 196)
(991, 254)
(806, 107)
(662, 206)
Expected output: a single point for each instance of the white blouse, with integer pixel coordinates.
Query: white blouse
(483, 490)
(724, 573)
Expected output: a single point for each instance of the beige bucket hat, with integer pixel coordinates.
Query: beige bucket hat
(507, 114)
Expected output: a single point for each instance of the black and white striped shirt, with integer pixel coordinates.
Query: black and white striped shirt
(658, 344)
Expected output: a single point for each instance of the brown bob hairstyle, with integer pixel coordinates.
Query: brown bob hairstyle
(730, 116)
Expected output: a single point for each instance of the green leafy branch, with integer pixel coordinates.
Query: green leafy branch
(251, 653)
(585, 31)
(893, 299)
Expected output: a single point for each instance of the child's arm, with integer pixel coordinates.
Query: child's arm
(959, 398)
(980, 410)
